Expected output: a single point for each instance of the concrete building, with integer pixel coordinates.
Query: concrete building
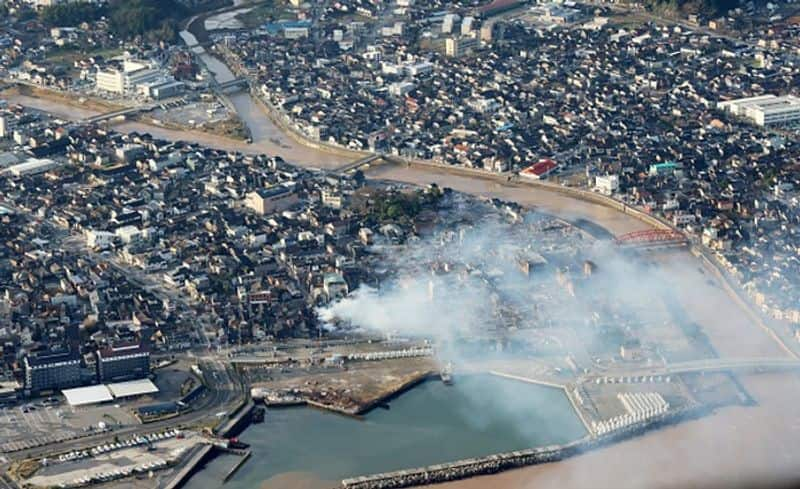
(161, 88)
(765, 110)
(51, 370)
(110, 80)
(335, 286)
(272, 199)
(33, 166)
(124, 362)
(460, 46)
(132, 74)
(606, 184)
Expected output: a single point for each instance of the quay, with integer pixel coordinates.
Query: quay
(189, 467)
(238, 465)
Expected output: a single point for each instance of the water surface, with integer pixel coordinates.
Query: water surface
(433, 423)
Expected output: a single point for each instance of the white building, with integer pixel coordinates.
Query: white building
(459, 46)
(33, 166)
(765, 110)
(132, 74)
(607, 184)
(99, 240)
(400, 89)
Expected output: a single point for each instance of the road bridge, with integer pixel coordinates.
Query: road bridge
(354, 165)
(651, 239)
(744, 365)
(117, 113)
(234, 85)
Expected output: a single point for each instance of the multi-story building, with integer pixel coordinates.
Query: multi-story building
(765, 110)
(272, 199)
(123, 362)
(460, 46)
(607, 184)
(44, 371)
(127, 78)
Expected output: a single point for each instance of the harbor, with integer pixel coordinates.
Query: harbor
(476, 416)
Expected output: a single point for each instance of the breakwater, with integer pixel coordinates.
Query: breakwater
(510, 460)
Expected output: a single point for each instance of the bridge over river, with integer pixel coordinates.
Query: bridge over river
(743, 365)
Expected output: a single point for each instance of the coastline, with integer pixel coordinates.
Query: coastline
(568, 208)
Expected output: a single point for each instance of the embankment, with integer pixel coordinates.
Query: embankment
(505, 461)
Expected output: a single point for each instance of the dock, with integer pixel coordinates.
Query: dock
(189, 467)
(237, 421)
(245, 457)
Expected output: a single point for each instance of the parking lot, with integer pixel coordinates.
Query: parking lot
(195, 114)
(32, 426)
(37, 427)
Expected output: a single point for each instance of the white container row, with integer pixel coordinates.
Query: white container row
(633, 379)
(116, 474)
(133, 442)
(642, 402)
(387, 355)
(623, 421)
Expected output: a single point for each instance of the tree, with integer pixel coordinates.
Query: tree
(70, 14)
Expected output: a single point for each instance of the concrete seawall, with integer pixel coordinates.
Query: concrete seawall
(505, 461)
(203, 454)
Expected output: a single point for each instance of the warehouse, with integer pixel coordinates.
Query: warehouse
(84, 396)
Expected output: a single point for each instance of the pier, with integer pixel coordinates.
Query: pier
(245, 457)
(189, 467)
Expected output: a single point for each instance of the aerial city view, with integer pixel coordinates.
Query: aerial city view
(372, 244)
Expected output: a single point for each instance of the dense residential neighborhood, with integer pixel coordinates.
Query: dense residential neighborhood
(371, 235)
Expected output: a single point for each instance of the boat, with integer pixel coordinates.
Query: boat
(235, 443)
(258, 415)
(446, 374)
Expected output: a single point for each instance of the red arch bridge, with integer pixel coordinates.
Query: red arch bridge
(651, 238)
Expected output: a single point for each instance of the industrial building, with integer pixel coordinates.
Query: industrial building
(765, 110)
(32, 166)
(96, 394)
(606, 184)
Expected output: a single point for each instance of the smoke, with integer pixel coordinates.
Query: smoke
(465, 286)
(486, 272)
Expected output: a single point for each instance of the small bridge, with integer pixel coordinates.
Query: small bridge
(353, 165)
(233, 85)
(117, 113)
(651, 238)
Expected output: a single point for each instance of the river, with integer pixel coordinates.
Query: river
(432, 423)
(741, 445)
(267, 137)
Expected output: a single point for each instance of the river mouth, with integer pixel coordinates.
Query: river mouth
(432, 423)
